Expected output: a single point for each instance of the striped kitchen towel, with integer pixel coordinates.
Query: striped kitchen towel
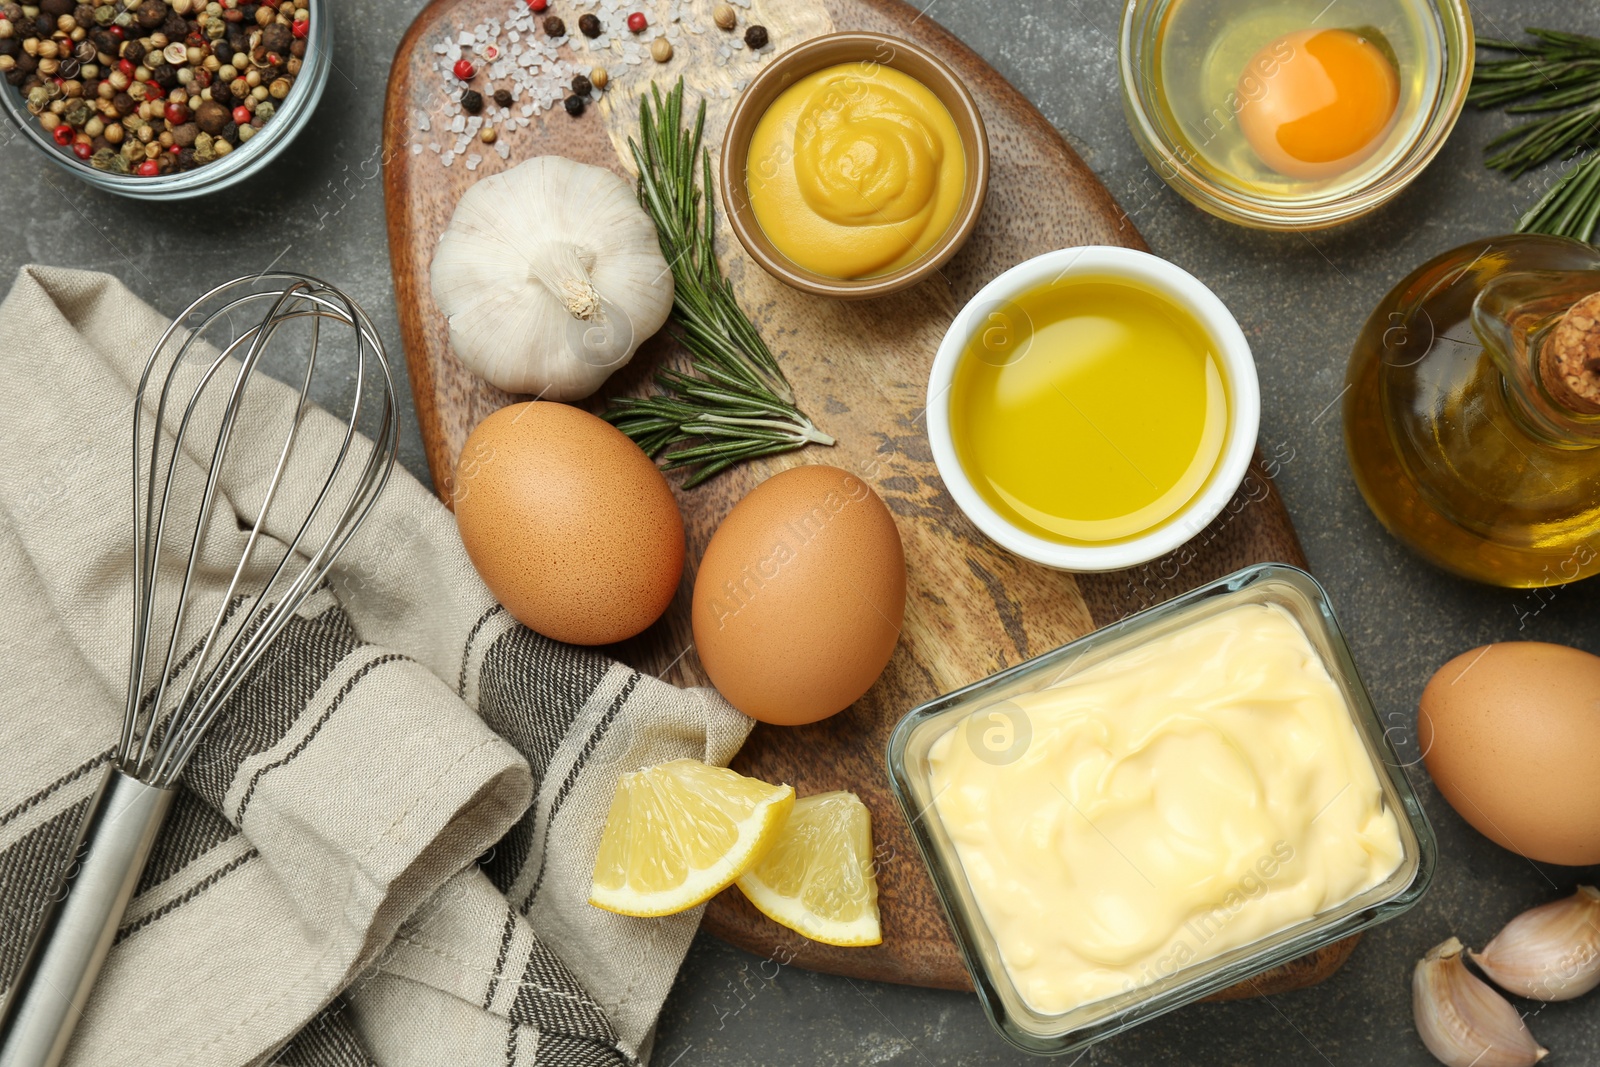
(381, 855)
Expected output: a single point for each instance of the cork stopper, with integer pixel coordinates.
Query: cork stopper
(1569, 360)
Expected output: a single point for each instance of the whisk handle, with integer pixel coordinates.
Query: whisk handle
(79, 923)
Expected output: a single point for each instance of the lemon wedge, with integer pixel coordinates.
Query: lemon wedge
(818, 878)
(678, 833)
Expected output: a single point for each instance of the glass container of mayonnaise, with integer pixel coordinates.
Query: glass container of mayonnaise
(1160, 810)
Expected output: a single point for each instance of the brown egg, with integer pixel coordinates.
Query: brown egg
(1511, 735)
(800, 596)
(569, 523)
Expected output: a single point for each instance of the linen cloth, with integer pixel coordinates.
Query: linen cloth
(381, 854)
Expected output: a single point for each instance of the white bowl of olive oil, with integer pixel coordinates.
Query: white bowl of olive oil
(1093, 408)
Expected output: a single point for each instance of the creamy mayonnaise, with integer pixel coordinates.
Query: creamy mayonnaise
(1178, 800)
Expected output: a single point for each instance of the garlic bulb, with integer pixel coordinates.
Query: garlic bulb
(1463, 1022)
(551, 275)
(1549, 953)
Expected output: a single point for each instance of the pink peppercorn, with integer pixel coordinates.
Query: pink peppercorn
(465, 70)
(637, 22)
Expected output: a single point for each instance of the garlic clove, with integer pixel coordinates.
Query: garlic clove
(1462, 1020)
(1551, 952)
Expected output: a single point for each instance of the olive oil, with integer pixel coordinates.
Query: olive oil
(1089, 411)
(1457, 448)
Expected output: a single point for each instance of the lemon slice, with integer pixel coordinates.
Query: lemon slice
(818, 878)
(680, 832)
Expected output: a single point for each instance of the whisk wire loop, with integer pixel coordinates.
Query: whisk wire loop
(160, 734)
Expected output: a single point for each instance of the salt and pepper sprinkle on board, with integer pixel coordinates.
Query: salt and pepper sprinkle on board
(514, 55)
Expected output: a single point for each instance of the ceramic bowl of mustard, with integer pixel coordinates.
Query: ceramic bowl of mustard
(855, 165)
(1293, 114)
(1160, 810)
(1093, 408)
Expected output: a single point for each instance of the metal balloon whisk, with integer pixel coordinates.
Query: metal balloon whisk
(239, 512)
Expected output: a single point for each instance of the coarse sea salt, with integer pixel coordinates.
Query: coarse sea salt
(537, 70)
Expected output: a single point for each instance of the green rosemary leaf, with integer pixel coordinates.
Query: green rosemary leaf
(1555, 76)
(734, 403)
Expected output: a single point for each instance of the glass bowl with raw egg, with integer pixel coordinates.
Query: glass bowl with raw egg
(855, 165)
(1093, 408)
(1161, 810)
(1293, 114)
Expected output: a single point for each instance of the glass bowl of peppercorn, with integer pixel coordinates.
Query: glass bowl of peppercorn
(162, 99)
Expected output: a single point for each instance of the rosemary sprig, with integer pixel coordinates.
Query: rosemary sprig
(737, 404)
(1556, 75)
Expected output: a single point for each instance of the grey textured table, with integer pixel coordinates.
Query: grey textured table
(1300, 298)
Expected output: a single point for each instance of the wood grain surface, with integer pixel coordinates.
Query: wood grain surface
(860, 370)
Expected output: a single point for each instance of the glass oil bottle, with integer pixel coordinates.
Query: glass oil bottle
(1471, 421)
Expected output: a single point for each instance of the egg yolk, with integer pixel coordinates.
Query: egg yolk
(1317, 102)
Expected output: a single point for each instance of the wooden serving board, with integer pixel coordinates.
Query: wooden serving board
(860, 370)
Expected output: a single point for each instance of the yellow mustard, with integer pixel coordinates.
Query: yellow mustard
(1177, 801)
(855, 171)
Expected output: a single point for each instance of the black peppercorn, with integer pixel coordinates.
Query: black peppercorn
(57, 7)
(590, 25)
(222, 50)
(555, 27)
(175, 27)
(10, 46)
(756, 37)
(211, 116)
(15, 77)
(125, 104)
(134, 52)
(105, 41)
(502, 97)
(230, 133)
(45, 23)
(277, 38)
(581, 85)
(186, 159)
(152, 14)
(574, 105)
(165, 75)
(471, 101)
(83, 14)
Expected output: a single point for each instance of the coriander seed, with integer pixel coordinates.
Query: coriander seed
(724, 16)
(487, 135)
(660, 49)
(598, 77)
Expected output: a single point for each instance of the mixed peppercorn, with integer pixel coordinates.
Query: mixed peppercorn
(153, 87)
